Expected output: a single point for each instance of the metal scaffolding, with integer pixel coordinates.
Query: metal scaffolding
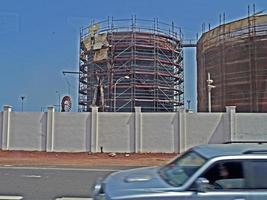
(235, 54)
(131, 62)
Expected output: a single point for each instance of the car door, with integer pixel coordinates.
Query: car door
(256, 175)
(223, 185)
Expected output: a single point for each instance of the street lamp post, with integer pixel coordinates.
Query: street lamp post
(210, 87)
(22, 99)
(188, 104)
(115, 90)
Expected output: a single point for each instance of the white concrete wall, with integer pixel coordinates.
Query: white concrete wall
(251, 126)
(158, 130)
(125, 132)
(116, 138)
(72, 132)
(202, 128)
(27, 131)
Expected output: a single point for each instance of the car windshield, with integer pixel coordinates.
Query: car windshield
(177, 172)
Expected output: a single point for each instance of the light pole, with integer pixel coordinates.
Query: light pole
(115, 90)
(22, 99)
(210, 87)
(58, 100)
(188, 104)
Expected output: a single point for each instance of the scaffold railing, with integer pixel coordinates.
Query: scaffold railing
(148, 52)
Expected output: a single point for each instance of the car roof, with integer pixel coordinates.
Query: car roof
(215, 150)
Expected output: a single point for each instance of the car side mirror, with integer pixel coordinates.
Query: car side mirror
(202, 184)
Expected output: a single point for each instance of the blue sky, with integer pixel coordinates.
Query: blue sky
(39, 39)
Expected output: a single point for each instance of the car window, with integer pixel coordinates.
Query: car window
(226, 175)
(180, 170)
(256, 174)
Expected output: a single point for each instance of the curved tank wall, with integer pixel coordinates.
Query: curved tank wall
(235, 55)
(127, 65)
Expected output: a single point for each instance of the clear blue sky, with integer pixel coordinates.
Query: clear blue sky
(39, 39)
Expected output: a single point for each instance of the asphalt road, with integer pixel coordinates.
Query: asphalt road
(43, 183)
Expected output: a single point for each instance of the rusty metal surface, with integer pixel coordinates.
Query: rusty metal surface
(236, 56)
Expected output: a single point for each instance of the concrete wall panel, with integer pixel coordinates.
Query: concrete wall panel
(158, 132)
(115, 132)
(72, 132)
(251, 126)
(203, 128)
(27, 131)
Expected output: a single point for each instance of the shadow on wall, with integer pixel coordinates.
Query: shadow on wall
(88, 134)
(43, 121)
(131, 125)
(221, 133)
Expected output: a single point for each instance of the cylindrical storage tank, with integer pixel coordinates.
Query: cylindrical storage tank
(124, 65)
(235, 55)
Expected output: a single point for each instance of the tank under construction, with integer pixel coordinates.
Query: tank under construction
(235, 55)
(130, 63)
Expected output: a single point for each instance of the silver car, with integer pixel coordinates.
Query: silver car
(209, 172)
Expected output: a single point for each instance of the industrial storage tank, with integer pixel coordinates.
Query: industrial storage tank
(131, 63)
(235, 55)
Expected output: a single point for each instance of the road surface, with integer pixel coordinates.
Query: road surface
(46, 183)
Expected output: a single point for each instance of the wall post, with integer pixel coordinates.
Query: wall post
(94, 129)
(231, 111)
(181, 130)
(50, 129)
(138, 130)
(6, 127)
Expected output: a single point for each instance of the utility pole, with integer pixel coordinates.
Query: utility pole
(210, 87)
(58, 100)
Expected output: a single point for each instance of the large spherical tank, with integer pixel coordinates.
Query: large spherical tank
(235, 55)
